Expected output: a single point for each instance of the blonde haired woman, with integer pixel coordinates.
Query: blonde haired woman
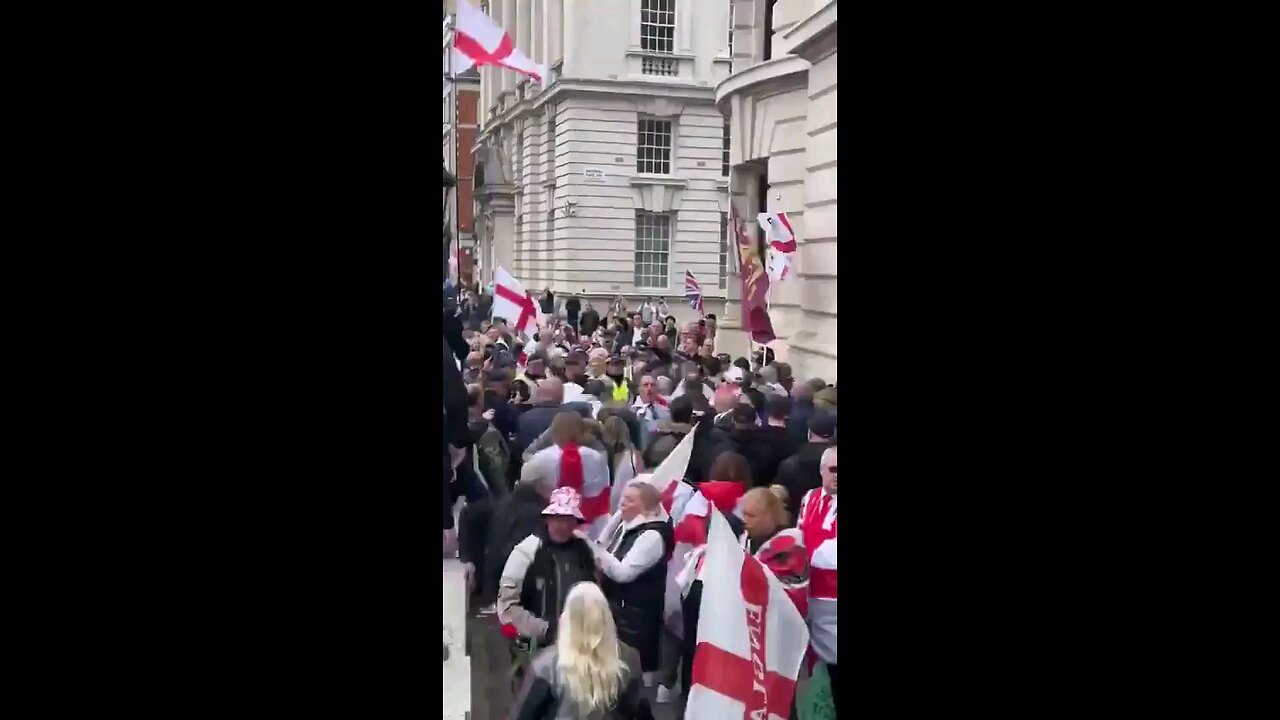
(589, 674)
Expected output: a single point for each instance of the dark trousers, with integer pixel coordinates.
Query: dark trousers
(671, 649)
(689, 609)
(448, 496)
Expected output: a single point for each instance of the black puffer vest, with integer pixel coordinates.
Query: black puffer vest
(554, 571)
(636, 602)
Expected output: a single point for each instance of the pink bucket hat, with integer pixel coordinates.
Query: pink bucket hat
(565, 501)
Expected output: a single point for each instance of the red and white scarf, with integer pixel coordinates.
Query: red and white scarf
(818, 523)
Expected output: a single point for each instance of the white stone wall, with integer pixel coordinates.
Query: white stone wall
(783, 112)
(598, 92)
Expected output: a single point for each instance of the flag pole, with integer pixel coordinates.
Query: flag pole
(453, 123)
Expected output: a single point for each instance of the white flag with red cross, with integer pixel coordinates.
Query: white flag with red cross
(751, 638)
(513, 304)
(688, 511)
(478, 40)
(782, 244)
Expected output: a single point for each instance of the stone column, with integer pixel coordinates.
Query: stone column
(504, 229)
(524, 30)
(571, 14)
(813, 349)
(538, 33)
(509, 77)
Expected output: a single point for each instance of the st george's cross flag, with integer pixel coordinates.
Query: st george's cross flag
(693, 291)
(751, 637)
(478, 40)
(781, 240)
(513, 304)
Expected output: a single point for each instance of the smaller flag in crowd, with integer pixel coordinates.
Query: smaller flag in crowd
(693, 291)
(512, 303)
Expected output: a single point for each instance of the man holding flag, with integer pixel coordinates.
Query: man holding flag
(512, 303)
(751, 639)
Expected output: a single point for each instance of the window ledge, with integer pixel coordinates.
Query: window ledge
(640, 52)
(667, 180)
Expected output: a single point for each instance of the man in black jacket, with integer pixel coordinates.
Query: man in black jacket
(533, 422)
(490, 530)
(802, 411)
(800, 473)
(590, 320)
(453, 329)
(571, 310)
(764, 446)
(455, 430)
(548, 401)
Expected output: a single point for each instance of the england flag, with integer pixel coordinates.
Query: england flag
(751, 637)
(478, 40)
(513, 304)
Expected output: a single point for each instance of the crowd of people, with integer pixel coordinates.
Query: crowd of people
(550, 441)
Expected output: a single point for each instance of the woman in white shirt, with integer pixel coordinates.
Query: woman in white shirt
(633, 552)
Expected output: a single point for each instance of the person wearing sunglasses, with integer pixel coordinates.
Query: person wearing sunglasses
(817, 523)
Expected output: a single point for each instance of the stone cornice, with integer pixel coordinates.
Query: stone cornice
(814, 38)
(785, 72)
(613, 88)
(496, 197)
(667, 180)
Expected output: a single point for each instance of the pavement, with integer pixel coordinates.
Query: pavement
(476, 675)
(457, 666)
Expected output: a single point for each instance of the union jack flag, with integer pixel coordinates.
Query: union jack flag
(693, 292)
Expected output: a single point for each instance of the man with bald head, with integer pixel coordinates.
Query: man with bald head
(473, 368)
(663, 363)
(547, 399)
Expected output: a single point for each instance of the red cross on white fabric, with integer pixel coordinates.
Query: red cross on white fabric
(527, 310)
(734, 676)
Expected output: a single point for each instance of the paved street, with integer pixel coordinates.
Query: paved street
(486, 655)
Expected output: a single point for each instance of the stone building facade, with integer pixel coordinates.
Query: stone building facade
(611, 176)
(781, 104)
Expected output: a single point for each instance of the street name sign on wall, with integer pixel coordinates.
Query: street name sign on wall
(593, 175)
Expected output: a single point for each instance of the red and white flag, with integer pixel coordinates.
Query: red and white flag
(777, 230)
(478, 40)
(513, 304)
(688, 511)
(782, 244)
(751, 638)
